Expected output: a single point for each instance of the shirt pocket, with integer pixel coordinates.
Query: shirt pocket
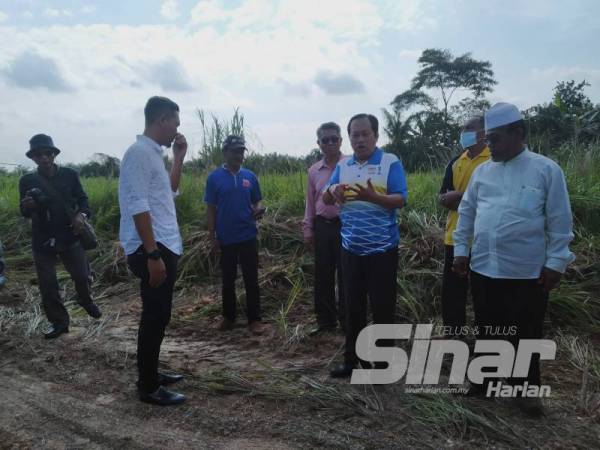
(531, 200)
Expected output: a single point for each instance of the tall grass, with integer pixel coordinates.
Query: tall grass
(286, 268)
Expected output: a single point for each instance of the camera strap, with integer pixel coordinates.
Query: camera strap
(54, 194)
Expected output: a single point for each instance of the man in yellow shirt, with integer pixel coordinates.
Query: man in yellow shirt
(457, 176)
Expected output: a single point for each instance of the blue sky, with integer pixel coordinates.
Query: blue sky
(82, 71)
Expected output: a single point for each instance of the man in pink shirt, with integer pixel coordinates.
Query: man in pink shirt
(321, 228)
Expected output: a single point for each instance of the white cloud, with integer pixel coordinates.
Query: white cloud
(3, 17)
(208, 11)
(29, 70)
(229, 57)
(169, 9)
(57, 13)
(296, 89)
(88, 9)
(410, 54)
(341, 84)
(170, 76)
(281, 61)
(412, 15)
(346, 19)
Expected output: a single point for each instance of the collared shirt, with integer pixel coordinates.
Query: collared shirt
(519, 217)
(457, 176)
(318, 176)
(233, 194)
(51, 227)
(145, 186)
(368, 228)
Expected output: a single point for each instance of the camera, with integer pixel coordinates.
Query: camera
(37, 195)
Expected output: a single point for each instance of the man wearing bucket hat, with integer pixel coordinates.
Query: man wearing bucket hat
(455, 182)
(517, 214)
(45, 196)
(233, 204)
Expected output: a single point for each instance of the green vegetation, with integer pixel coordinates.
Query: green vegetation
(565, 129)
(287, 269)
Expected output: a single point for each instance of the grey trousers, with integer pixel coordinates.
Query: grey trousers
(76, 263)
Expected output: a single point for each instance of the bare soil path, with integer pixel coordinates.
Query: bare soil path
(244, 392)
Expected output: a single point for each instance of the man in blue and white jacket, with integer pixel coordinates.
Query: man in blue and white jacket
(370, 186)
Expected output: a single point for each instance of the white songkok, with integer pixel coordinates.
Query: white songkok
(501, 114)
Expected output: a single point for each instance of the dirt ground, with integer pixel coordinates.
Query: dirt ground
(244, 392)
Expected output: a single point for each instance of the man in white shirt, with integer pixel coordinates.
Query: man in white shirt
(149, 234)
(516, 213)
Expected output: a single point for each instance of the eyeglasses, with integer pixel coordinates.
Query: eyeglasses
(329, 140)
(493, 138)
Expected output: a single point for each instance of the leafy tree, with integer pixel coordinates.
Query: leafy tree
(314, 156)
(570, 116)
(100, 165)
(424, 134)
(569, 97)
(442, 72)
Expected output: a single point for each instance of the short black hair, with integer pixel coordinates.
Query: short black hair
(479, 118)
(328, 126)
(156, 107)
(518, 126)
(372, 119)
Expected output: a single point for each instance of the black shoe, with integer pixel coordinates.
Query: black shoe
(165, 379)
(342, 371)
(162, 397)
(55, 332)
(318, 329)
(92, 310)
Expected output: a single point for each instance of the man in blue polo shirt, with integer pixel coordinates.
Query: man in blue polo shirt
(233, 204)
(370, 186)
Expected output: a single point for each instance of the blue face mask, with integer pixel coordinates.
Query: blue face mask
(468, 139)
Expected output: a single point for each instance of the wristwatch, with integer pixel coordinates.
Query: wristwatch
(154, 254)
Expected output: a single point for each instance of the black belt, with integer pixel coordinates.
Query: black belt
(326, 220)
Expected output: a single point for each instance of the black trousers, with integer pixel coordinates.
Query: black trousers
(454, 294)
(246, 253)
(327, 265)
(156, 314)
(76, 263)
(372, 277)
(510, 310)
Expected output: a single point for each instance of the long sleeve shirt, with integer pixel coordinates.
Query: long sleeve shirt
(518, 216)
(145, 186)
(318, 176)
(51, 224)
